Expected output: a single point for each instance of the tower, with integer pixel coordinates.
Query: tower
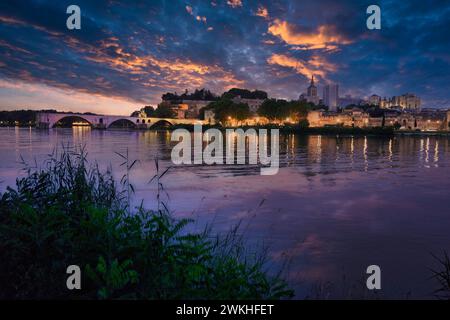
(331, 96)
(312, 89)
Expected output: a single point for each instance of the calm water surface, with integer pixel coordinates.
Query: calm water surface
(337, 205)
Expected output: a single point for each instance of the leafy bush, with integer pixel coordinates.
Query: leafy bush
(70, 213)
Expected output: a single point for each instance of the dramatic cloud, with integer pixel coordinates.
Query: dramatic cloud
(324, 37)
(131, 53)
(316, 66)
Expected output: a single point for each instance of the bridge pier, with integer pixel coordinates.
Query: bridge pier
(42, 125)
(98, 126)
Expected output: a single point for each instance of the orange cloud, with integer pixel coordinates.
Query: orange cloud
(197, 17)
(317, 65)
(262, 12)
(13, 21)
(269, 42)
(325, 37)
(234, 3)
(170, 74)
(5, 44)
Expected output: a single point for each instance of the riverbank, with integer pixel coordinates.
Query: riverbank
(329, 130)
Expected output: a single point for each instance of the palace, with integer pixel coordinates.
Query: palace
(426, 120)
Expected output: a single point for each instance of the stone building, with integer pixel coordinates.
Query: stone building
(431, 120)
(253, 104)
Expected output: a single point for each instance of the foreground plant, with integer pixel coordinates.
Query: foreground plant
(442, 276)
(69, 212)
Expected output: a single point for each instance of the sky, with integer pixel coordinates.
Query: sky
(128, 53)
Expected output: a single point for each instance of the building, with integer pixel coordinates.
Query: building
(331, 96)
(430, 120)
(407, 101)
(311, 93)
(349, 118)
(186, 109)
(194, 107)
(210, 117)
(253, 104)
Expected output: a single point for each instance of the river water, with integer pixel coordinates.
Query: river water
(337, 205)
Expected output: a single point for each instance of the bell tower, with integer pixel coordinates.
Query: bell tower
(312, 89)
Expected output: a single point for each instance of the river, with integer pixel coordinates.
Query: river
(337, 205)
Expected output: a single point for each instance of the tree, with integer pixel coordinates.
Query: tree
(164, 111)
(274, 110)
(303, 124)
(149, 111)
(224, 109)
(298, 110)
(170, 97)
(202, 94)
(245, 94)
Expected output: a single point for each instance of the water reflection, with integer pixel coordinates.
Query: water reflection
(338, 204)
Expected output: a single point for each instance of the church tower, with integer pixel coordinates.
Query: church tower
(312, 89)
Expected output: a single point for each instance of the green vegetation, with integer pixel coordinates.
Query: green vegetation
(71, 213)
(280, 110)
(26, 118)
(226, 110)
(164, 110)
(202, 94)
(18, 117)
(244, 94)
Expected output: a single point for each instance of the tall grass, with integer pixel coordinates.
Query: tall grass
(70, 213)
(442, 277)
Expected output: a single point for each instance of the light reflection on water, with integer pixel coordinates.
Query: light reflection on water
(337, 205)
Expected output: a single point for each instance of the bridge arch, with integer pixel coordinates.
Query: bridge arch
(122, 123)
(67, 118)
(161, 124)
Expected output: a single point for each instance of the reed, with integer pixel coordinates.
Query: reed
(70, 212)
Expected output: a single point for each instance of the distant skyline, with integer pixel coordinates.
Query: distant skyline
(127, 54)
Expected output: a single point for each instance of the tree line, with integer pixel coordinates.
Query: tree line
(202, 94)
(25, 117)
(206, 95)
(274, 110)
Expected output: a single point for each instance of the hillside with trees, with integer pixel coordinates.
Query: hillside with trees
(245, 94)
(163, 110)
(202, 94)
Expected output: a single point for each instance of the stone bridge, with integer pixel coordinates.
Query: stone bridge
(49, 120)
